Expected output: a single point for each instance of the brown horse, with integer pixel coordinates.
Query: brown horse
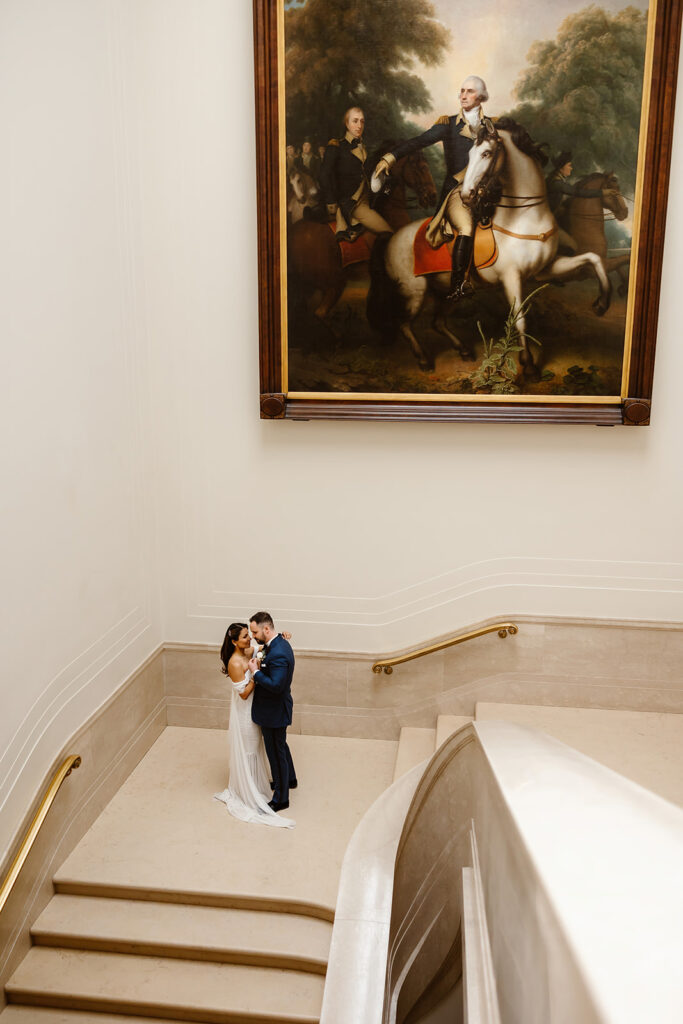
(584, 220)
(314, 257)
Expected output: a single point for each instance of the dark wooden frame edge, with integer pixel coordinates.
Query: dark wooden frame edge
(634, 411)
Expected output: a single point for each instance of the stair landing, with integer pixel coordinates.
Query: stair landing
(163, 836)
(645, 746)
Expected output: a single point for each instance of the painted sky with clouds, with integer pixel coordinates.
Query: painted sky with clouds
(481, 47)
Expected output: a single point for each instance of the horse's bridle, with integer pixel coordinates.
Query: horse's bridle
(486, 183)
(495, 166)
(491, 173)
(494, 169)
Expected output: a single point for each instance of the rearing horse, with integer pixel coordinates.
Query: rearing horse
(584, 220)
(506, 162)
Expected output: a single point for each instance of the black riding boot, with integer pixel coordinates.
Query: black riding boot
(460, 262)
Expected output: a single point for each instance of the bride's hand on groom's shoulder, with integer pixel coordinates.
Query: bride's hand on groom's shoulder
(286, 634)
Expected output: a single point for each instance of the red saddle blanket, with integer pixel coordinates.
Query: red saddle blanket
(354, 252)
(438, 261)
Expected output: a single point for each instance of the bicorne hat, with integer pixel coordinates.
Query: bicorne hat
(565, 157)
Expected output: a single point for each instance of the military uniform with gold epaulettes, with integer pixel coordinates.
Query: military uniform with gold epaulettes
(457, 136)
(346, 188)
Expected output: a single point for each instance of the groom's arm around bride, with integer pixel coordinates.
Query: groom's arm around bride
(272, 704)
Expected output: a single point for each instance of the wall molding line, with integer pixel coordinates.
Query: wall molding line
(457, 584)
(64, 687)
(533, 620)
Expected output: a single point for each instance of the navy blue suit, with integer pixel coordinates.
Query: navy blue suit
(271, 709)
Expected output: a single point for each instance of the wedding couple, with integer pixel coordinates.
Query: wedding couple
(260, 713)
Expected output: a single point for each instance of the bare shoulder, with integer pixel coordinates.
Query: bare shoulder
(236, 669)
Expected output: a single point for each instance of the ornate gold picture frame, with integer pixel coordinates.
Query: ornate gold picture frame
(563, 347)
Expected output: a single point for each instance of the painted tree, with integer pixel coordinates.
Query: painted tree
(582, 91)
(353, 52)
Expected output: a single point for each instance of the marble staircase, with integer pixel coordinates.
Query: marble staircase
(170, 910)
(644, 746)
(171, 961)
(416, 745)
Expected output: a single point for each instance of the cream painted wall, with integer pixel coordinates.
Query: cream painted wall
(80, 604)
(144, 499)
(360, 536)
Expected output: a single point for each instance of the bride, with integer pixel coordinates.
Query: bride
(248, 791)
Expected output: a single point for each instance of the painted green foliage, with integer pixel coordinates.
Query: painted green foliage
(582, 91)
(359, 52)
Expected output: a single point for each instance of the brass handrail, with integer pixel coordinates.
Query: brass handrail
(71, 762)
(501, 628)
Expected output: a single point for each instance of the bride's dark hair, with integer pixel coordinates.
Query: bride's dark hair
(228, 649)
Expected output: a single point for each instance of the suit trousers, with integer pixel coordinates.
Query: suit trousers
(280, 761)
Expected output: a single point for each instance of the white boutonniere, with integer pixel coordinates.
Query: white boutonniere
(261, 658)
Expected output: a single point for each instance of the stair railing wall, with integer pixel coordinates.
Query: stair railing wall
(579, 872)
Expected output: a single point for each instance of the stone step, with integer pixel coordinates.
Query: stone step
(41, 1015)
(446, 725)
(65, 885)
(414, 745)
(166, 988)
(259, 938)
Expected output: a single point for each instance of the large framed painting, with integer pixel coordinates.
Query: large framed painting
(462, 208)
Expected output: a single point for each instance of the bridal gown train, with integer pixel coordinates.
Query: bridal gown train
(248, 789)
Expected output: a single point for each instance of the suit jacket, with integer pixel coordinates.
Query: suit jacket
(272, 702)
(344, 175)
(457, 136)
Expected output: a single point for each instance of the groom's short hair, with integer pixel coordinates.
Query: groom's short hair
(263, 619)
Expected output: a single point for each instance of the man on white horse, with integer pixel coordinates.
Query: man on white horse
(457, 132)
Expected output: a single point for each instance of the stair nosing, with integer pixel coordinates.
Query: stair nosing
(243, 957)
(234, 901)
(154, 1010)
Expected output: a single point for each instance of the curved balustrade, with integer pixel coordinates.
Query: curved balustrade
(560, 880)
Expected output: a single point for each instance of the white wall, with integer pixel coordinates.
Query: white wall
(361, 536)
(80, 605)
(135, 467)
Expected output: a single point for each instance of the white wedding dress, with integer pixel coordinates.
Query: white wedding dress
(248, 789)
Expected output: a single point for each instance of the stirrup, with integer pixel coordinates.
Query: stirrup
(462, 290)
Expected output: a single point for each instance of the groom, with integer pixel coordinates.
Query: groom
(272, 704)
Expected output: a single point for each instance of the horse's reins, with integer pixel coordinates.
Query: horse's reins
(542, 236)
(524, 206)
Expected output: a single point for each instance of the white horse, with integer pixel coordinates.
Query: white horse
(302, 192)
(503, 158)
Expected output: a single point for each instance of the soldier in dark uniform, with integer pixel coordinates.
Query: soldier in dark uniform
(559, 188)
(457, 132)
(309, 161)
(344, 180)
